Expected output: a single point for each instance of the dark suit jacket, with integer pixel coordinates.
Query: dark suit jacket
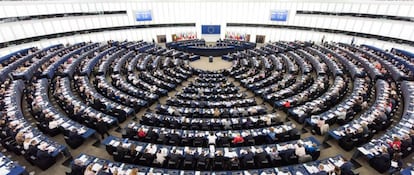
(77, 170)
(175, 157)
(189, 157)
(101, 127)
(223, 140)
(346, 169)
(42, 155)
(321, 173)
(175, 137)
(32, 151)
(260, 156)
(248, 156)
(75, 137)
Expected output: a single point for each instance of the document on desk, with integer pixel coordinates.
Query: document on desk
(4, 170)
(96, 167)
(364, 151)
(311, 169)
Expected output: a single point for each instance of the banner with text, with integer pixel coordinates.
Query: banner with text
(279, 15)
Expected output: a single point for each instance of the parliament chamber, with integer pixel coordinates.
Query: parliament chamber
(121, 100)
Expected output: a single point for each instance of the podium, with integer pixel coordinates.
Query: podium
(210, 59)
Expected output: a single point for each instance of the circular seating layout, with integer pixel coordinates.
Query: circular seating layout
(173, 118)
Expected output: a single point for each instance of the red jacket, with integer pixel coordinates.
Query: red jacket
(396, 144)
(287, 104)
(238, 139)
(141, 134)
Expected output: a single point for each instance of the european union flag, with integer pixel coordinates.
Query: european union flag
(210, 29)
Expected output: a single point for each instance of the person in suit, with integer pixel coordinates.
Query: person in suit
(346, 167)
(219, 160)
(203, 158)
(247, 156)
(175, 138)
(151, 135)
(199, 140)
(175, 157)
(396, 164)
(74, 137)
(381, 162)
(43, 159)
(42, 154)
(149, 158)
(234, 163)
(322, 170)
(406, 144)
(102, 128)
(260, 156)
(190, 156)
(32, 151)
(77, 168)
(223, 140)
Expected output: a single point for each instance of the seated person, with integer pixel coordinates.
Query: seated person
(300, 150)
(310, 149)
(406, 144)
(395, 144)
(322, 170)
(219, 160)
(77, 168)
(75, 138)
(365, 129)
(89, 171)
(238, 139)
(246, 157)
(396, 164)
(321, 127)
(346, 167)
(223, 140)
(274, 154)
(105, 170)
(160, 157)
(234, 163)
(175, 156)
(260, 156)
(212, 139)
(271, 136)
(286, 104)
(141, 134)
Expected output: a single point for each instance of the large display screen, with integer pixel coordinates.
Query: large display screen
(210, 29)
(279, 15)
(143, 15)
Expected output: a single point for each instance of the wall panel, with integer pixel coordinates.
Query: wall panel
(208, 12)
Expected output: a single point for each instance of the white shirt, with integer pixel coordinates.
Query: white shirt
(212, 139)
(53, 124)
(300, 151)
